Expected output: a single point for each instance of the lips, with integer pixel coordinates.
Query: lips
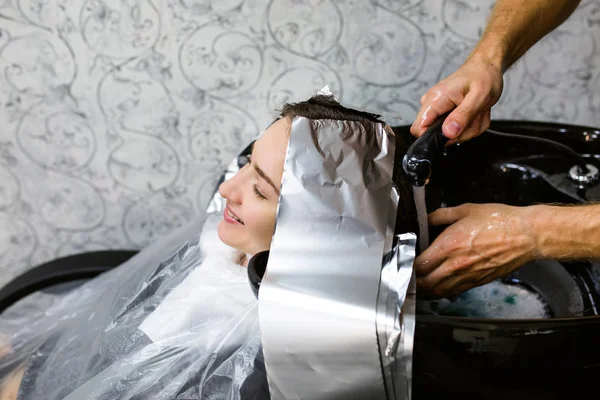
(231, 217)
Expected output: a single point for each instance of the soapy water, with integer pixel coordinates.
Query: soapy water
(494, 300)
(419, 195)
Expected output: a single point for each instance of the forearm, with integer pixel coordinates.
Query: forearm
(516, 25)
(566, 232)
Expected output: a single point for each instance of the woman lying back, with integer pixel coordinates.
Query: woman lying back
(185, 327)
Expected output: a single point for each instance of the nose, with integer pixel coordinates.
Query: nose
(231, 189)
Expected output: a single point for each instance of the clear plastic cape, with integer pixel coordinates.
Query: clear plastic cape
(174, 322)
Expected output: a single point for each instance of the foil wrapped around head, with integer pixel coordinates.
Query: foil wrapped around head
(336, 303)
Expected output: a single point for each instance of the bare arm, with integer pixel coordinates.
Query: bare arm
(516, 25)
(513, 27)
(488, 241)
(567, 233)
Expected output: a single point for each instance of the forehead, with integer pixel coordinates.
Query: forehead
(274, 140)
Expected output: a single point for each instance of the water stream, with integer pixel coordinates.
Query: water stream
(419, 195)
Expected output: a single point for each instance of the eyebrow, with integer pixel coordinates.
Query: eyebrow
(261, 173)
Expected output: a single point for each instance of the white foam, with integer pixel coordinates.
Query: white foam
(494, 300)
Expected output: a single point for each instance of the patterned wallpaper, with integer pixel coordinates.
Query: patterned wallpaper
(116, 115)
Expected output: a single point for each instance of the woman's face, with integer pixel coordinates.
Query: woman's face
(252, 194)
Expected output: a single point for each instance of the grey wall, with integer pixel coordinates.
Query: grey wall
(115, 115)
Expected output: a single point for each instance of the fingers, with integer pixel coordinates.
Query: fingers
(431, 258)
(434, 103)
(473, 89)
(436, 254)
(447, 215)
(485, 124)
(440, 285)
(472, 130)
(479, 125)
(463, 116)
(466, 121)
(447, 281)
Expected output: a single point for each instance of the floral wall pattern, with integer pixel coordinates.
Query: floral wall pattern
(117, 115)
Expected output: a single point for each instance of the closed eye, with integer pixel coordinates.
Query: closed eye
(258, 193)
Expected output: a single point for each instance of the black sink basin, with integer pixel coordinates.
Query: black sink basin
(508, 358)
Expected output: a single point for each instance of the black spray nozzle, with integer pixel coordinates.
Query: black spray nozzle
(420, 155)
(256, 270)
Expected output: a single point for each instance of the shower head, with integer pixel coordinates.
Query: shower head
(418, 159)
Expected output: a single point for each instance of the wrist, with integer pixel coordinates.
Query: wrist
(565, 232)
(530, 229)
(491, 51)
(536, 217)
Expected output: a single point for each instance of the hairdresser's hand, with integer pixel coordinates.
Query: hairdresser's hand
(483, 242)
(471, 91)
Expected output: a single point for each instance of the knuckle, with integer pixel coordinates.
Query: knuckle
(488, 97)
(455, 247)
(467, 206)
(450, 246)
(455, 95)
(464, 113)
(459, 265)
(460, 208)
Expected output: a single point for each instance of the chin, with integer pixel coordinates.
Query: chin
(227, 236)
(222, 232)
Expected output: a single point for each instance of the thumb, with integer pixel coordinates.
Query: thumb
(462, 116)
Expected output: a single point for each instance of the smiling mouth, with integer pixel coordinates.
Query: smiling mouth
(234, 217)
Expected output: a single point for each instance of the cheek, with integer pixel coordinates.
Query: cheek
(261, 221)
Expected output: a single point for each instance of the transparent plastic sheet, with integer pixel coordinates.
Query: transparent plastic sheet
(174, 322)
(335, 284)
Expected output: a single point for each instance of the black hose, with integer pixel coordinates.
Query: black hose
(565, 150)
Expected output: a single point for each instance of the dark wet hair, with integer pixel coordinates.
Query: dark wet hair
(326, 107)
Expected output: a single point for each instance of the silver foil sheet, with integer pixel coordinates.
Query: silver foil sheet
(404, 325)
(329, 304)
